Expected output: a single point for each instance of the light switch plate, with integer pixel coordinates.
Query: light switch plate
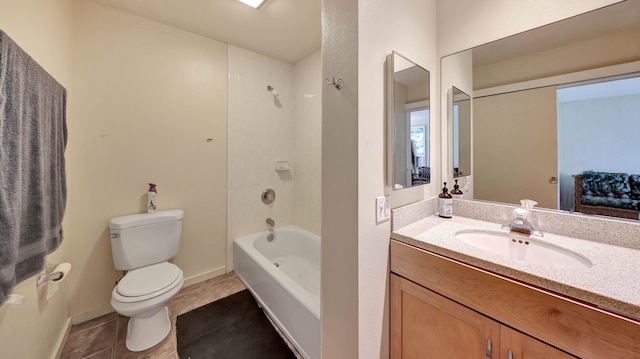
(382, 209)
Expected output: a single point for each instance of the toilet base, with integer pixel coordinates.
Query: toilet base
(143, 333)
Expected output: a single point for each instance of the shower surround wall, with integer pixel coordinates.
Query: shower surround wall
(263, 129)
(308, 126)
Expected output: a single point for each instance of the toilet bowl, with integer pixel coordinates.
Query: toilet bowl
(141, 245)
(144, 294)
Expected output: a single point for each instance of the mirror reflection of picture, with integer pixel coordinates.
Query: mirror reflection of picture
(417, 150)
(418, 140)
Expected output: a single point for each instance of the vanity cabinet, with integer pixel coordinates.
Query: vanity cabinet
(520, 345)
(428, 325)
(442, 308)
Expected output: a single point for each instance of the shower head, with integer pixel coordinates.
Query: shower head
(272, 90)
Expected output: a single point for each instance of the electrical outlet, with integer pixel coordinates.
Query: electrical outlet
(382, 209)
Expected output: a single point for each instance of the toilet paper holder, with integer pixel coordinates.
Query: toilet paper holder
(58, 272)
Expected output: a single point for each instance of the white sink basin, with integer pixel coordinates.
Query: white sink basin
(523, 248)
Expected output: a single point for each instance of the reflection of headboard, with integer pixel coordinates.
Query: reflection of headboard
(608, 194)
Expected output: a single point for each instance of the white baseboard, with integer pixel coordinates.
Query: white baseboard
(92, 314)
(205, 276)
(62, 339)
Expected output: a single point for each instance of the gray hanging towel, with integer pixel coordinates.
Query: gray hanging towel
(33, 137)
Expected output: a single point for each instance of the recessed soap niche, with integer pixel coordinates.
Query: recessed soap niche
(283, 165)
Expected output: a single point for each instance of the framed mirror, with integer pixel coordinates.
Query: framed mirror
(461, 132)
(408, 123)
(552, 105)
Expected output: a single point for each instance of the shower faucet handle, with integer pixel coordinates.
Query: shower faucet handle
(271, 222)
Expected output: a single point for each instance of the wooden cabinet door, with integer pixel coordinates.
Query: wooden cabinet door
(427, 325)
(523, 346)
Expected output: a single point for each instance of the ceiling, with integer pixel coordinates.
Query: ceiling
(288, 30)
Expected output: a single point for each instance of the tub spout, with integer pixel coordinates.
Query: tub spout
(272, 233)
(271, 222)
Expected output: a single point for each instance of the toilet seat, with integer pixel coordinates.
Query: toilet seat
(147, 282)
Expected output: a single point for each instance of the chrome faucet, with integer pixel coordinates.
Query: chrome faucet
(272, 233)
(521, 222)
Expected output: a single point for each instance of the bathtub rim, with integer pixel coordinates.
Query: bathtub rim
(246, 244)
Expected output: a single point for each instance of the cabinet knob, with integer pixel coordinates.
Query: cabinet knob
(489, 349)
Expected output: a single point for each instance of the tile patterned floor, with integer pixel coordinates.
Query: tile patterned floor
(104, 337)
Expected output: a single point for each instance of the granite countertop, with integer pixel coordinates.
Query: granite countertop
(611, 283)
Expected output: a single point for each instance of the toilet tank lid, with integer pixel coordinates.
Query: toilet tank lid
(143, 219)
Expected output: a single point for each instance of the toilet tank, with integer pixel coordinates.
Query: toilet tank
(143, 239)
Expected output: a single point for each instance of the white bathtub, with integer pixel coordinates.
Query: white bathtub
(284, 276)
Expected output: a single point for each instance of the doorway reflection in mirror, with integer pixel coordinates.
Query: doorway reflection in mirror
(408, 123)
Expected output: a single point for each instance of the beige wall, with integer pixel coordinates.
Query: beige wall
(520, 163)
(147, 99)
(339, 259)
(455, 71)
(44, 29)
(408, 27)
(354, 300)
(420, 91)
(603, 51)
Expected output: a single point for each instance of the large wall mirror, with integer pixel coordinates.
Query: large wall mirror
(408, 123)
(556, 113)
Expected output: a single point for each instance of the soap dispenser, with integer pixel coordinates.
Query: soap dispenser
(456, 193)
(445, 203)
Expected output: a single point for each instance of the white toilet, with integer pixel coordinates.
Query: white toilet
(142, 244)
